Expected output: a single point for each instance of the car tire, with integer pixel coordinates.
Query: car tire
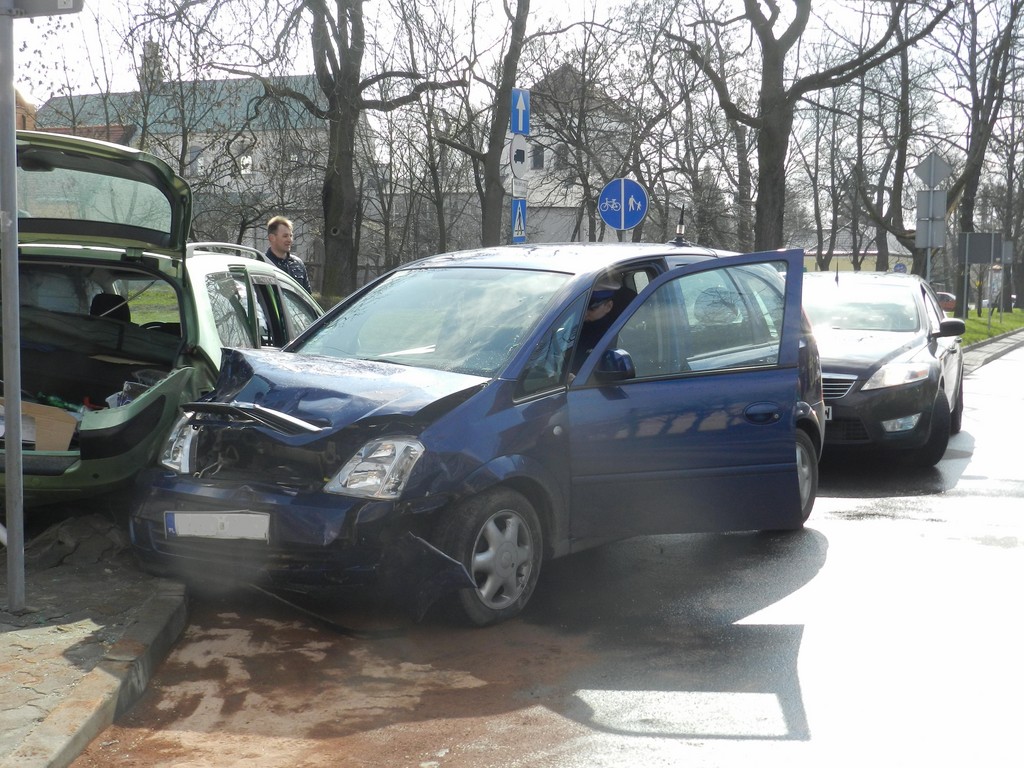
(933, 450)
(497, 536)
(956, 420)
(807, 473)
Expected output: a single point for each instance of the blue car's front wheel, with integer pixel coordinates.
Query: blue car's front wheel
(807, 473)
(497, 536)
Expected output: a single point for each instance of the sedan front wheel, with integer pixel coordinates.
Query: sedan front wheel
(938, 438)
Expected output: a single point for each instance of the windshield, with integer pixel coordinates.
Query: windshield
(469, 320)
(860, 307)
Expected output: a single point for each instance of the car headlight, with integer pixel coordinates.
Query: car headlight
(379, 470)
(897, 374)
(178, 452)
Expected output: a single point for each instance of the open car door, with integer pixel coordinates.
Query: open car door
(683, 419)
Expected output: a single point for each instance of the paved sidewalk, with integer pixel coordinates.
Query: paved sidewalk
(96, 627)
(977, 355)
(84, 649)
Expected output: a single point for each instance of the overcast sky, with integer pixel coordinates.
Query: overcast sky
(79, 44)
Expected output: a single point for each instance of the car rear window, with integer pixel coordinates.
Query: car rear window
(99, 198)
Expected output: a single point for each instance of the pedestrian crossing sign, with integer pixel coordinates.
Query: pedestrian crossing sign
(518, 220)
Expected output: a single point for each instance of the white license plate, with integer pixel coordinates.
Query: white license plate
(218, 525)
(828, 413)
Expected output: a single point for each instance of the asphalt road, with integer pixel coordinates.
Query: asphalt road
(888, 632)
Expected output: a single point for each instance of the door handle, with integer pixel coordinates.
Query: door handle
(762, 413)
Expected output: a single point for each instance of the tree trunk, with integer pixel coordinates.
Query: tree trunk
(494, 189)
(773, 145)
(340, 204)
(744, 188)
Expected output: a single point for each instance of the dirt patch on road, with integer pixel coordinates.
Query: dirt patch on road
(259, 687)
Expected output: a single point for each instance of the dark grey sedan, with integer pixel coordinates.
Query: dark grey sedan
(891, 361)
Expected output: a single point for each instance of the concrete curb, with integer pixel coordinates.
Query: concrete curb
(983, 352)
(111, 687)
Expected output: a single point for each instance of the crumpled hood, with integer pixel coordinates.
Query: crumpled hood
(852, 351)
(334, 393)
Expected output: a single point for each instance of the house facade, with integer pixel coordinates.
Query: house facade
(24, 113)
(575, 134)
(247, 156)
(579, 141)
(844, 252)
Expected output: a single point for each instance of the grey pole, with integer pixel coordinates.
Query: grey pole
(11, 316)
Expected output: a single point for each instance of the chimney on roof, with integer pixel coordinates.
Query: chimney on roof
(151, 68)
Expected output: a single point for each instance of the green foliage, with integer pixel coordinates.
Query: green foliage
(158, 303)
(989, 326)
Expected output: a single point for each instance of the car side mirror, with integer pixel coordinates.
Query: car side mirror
(951, 326)
(615, 365)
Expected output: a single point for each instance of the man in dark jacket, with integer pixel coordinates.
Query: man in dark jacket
(279, 235)
(607, 300)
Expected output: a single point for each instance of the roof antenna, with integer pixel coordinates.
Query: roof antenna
(680, 229)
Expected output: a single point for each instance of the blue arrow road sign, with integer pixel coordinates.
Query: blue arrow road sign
(519, 120)
(622, 204)
(518, 219)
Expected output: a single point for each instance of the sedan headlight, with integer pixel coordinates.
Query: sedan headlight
(897, 374)
(177, 453)
(379, 470)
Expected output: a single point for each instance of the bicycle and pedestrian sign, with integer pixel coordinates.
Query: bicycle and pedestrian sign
(622, 204)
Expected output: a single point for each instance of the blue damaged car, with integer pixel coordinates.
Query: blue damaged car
(493, 409)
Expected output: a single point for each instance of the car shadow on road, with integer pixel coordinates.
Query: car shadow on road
(669, 618)
(653, 637)
(858, 474)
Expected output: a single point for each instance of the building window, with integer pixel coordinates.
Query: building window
(537, 157)
(196, 161)
(561, 157)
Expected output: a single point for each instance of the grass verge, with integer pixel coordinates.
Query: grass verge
(988, 326)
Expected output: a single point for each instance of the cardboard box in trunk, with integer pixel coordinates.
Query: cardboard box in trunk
(49, 428)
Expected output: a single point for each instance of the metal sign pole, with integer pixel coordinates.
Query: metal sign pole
(991, 265)
(15, 491)
(11, 319)
(967, 273)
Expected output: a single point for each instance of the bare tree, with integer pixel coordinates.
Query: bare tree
(580, 124)
(978, 48)
(438, 175)
(779, 91)
(707, 146)
(982, 66)
(1008, 161)
(740, 77)
(338, 44)
(480, 132)
(613, 100)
